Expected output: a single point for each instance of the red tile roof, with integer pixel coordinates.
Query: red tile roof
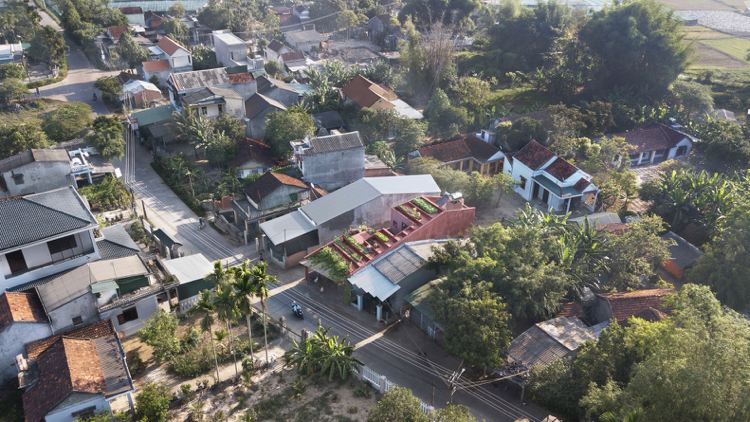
(156, 66)
(293, 56)
(276, 45)
(366, 93)
(561, 169)
(652, 137)
(533, 155)
(169, 45)
(93, 331)
(571, 309)
(627, 304)
(459, 149)
(20, 307)
(240, 78)
(581, 185)
(116, 31)
(68, 365)
(134, 10)
(269, 182)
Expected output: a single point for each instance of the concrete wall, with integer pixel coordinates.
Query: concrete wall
(282, 196)
(212, 110)
(12, 341)
(39, 177)
(145, 307)
(181, 61)
(228, 55)
(449, 223)
(256, 127)
(84, 307)
(136, 19)
(66, 414)
(334, 169)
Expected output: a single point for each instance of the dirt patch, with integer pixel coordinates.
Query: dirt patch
(506, 209)
(279, 396)
(711, 58)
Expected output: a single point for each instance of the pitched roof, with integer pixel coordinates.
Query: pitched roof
(20, 307)
(116, 31)
(84, 360)
(549, 341)
(366, 93)
(156, 65)
(250, 149)
(561, 169)
(534, 155)
(199, 79)
(33, 155)
(627, 304)
(154, 115)
(328, 119)
(459, 149)
(189, 268)
(170, 46)
(684, 253)
(39, 216)
(258, 102)
(333, 143)
(269, 182)
(131, 10)
(292, 56)
(202, 96)
(652, 136)
(276, 45)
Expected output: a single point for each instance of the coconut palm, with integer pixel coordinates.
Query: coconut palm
(226, 308)
(206, 309)
(244, 287)
(261, 280)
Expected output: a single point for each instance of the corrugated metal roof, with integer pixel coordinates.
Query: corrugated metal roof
(549, 341)
(333, 143)
(286, 227)
(189, 268)
(374, 282)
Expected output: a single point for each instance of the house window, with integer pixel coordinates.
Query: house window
(77, 320)
(221, 108)
(62, 244)
(16, 262)
(523, 183)
(204, 111)
(127, 316)
(18, 179)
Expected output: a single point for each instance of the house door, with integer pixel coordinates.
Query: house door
(545, 196)
(535, 194)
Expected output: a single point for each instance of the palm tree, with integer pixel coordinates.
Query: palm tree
(226, 309)
(245, 289)
(261, 279)
(205, 307)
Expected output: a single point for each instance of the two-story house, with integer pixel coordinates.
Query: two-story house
(230, 49)
(330, 161)
(540, 175)
(213, 101)
(43, 234)
(166, 57)
(35, 170)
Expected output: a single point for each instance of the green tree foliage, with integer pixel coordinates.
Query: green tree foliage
(398, 404)
(384, 151)
(426, 13)
(285, 126)
(111, 89)
(638, 46)
(204, 57)
(215, 16)
(176, 10)
(160, 332)
(11, 70)
(131, 53)
(725, 145)
(474, 95)
(445, 120)
(12, 90)
(231, 126)
(152, 403)
(109, 194)
(635, 253)
(48, 46)
(453, 413)
(515, 135)
(67, 121)
(19, 137)
(725, 267)
(692, 98)
(428, 62)
(18, 20)
(323, 354)
(220, 149)
(107, 137)
(683, 197)
(477, 330)
(175, 29)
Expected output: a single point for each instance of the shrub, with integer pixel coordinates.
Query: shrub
(68, 121)
(109, 194)
(152, 404)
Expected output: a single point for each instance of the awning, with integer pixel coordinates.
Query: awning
(104, 286)
(375, 283)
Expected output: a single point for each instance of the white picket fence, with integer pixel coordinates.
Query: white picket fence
(382, 384)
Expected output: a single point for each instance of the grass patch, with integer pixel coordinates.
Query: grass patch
(735, 47)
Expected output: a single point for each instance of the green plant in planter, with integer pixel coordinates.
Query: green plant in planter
(412, 212)
(333, 263)
(425, 206)
(382, 237)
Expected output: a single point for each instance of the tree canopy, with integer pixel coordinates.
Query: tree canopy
(67, 121)
(285, 126)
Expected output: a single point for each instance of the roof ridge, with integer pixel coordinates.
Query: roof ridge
(26, 198)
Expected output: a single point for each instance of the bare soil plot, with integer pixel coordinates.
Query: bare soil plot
(706, 57)
(716, 50)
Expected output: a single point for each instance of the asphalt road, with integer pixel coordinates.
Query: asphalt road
(403, 354)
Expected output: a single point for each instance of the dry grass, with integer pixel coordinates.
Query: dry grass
(737, 5)
(715, 50)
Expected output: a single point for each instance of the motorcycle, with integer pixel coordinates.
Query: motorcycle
(297, 310)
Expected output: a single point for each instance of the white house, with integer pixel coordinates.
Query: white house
(274, 50)
(656, 142)
(212, 102)
(305, 40)
(35, 170)
(540, 175)
(166, 57)
(43, 234)
(230, 49)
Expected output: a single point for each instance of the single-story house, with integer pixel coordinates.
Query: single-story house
(75, 375)
(140, 94)
(328, 120)
(367, 94)
(549, 341)
(543, 176)
(192, 273)
(253, 157)
(656, 142)
(257, 107)
(466, 153)
(369, 200)
(421, 311)
(211, 102)
(647, 304)
(305, 40)
(683, 255)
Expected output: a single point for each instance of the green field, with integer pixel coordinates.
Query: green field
(704, 4)
(735, 47)
(714, 50)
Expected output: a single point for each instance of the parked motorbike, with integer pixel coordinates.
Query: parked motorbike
(297, 310)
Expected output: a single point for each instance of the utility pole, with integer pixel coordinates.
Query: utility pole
(452, 382)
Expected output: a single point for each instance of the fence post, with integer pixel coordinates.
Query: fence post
(382, 384)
